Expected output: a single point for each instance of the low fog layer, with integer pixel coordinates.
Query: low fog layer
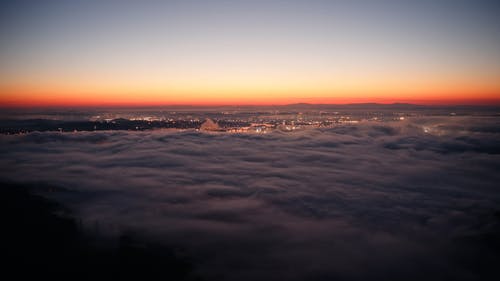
(410, 200)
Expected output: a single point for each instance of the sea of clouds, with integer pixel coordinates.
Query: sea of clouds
(409, 200)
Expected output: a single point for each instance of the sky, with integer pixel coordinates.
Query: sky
(248, 52)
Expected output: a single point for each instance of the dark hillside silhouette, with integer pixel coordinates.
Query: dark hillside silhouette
(40, 240)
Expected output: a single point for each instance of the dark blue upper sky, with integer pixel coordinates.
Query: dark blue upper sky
(228, 46)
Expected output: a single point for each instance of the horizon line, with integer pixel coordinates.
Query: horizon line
(492, 103)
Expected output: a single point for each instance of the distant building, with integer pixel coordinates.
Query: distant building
(210, 125)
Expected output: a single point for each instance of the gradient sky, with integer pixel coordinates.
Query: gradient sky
(248, 52)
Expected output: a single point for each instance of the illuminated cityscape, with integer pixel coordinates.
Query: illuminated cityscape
(228, 119)
(250, 140)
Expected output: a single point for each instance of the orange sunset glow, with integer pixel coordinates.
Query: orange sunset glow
(242, 53)
(250, 140)
(247, 92)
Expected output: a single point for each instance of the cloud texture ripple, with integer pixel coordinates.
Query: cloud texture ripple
(409, 200)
